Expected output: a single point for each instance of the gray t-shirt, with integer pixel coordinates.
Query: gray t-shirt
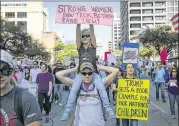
(30, 109)
(91, 51)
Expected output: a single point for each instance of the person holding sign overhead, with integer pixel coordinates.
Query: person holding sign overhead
(86, 45)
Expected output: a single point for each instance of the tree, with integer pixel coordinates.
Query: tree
(65, 50)
(13, 39)
(158, 37)
(145, 52)
(19, 43)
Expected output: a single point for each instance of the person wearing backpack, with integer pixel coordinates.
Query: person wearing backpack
(18, 107)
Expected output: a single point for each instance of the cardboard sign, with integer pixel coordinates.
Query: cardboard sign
(132, 99)
(130, 53)
(68, 14)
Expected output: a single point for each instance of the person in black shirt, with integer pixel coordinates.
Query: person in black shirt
(58, 86)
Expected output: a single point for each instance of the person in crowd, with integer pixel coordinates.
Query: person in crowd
(58, 86)
(129, 75)
(51, 97)
(86, 45)
(143, 73)
(114, 88)
(173, 91)
(34, 72)
(73, 74)
(160, 82)
(27, 73)
(115, 84)
(14, 99)
(19, 75)
(44, 81)
(167, 74)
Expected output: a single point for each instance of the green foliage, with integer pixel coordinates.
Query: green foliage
(65, 50)
(145, 52)
(133, 37)
(19, 43)
(118, 52)
(159, 36)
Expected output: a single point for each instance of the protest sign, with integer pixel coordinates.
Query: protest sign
(68, 14)
(132, 99)
(111, 59)
(27, 62)
(130, 53)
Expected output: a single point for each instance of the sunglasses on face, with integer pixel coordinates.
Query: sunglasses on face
(6, 71)
(85, 36)
(84, 73)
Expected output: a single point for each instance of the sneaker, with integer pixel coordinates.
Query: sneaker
(164, 101)
(173, 117)
(110, 113)
(66, 115)
(56, 102)
(157, 99)
(60, 104)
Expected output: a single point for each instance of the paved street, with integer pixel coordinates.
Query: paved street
(159, 113)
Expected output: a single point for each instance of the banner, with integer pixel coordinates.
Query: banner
(132, 99)
(130, 53)
(68, 14)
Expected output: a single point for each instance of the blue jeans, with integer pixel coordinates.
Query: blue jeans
(76, 88)
(160, 85)
(172, 99)
(133, 122)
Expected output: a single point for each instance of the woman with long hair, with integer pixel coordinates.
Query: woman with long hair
(173, 91)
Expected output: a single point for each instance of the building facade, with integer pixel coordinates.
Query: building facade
(116, 33)
(31, 17)
(136, 14)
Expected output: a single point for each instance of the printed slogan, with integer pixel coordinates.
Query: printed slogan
(132, 99)
(68, 14)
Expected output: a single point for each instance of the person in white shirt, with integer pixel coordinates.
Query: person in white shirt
(34, 72)
(33, 75)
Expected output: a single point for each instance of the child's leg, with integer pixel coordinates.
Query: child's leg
(102, 90)
(74, 90)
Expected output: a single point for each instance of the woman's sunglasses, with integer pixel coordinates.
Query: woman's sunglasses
(85, 36)
(6, 71)
(84, 73)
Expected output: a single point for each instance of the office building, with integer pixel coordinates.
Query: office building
(136, 14)
(116, 33)
(31, 17)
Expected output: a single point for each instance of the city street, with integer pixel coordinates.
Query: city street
(159, 113)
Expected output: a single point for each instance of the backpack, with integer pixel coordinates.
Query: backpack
(18, 104)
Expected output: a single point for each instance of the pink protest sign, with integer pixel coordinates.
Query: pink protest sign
(68, 14)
